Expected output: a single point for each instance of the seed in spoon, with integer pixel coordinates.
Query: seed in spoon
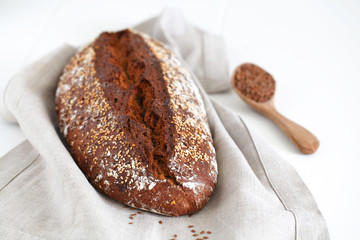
(254, 82)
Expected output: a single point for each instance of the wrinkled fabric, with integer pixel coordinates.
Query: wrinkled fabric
(44, 195)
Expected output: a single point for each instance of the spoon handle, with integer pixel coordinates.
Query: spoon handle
(303, 139)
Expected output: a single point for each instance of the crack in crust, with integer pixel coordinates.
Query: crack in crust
(143, 90)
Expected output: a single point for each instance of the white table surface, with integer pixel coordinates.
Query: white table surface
(312, 48)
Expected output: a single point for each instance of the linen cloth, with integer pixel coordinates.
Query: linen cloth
(44, 195)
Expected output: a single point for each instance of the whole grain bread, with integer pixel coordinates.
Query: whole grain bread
(135, 124)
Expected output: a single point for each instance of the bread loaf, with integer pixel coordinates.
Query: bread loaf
(135, 124)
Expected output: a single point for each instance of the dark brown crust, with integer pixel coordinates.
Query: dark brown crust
(117, 114)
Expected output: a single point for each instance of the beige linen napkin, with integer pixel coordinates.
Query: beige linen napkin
(44, 195)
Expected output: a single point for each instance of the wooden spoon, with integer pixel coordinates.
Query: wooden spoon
(249, 74)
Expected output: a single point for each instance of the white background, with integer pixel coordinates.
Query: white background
(312, 48)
